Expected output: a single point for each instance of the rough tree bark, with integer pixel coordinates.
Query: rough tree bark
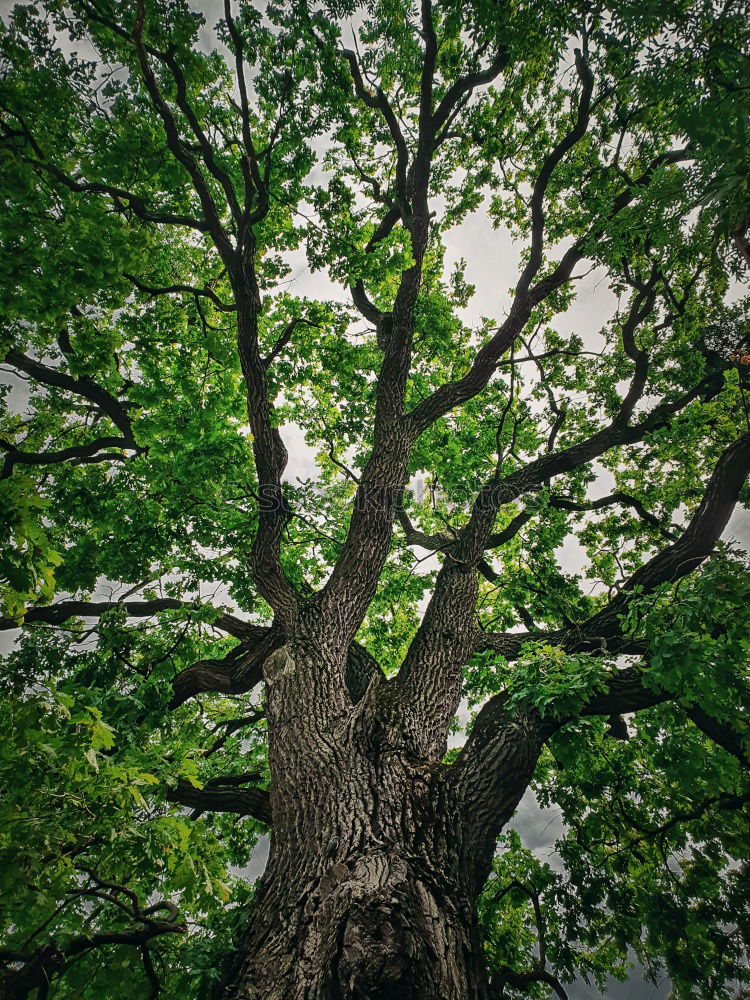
(371, 883)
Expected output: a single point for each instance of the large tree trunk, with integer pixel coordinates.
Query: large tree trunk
(366, 895)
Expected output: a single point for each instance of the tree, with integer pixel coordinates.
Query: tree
(209, 649)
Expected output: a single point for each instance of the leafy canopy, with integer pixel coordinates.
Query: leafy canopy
(130, 479)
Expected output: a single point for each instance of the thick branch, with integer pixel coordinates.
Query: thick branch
(465, 85)
(522, 980)
(440, 541)
(490, 776)
(207, 151)
(626, 693)
(284, 338)
(610, 500)
(187, 289)
(255, 184)
(25, 970)
(63, 611)
(721, 734)
(76, 454)
(604, 630)
(37, 968)
(431, 672)
(697, 540)
(85, 387)
(355, 576)
(224, 795)
(123, 200)
(240, 670)
(452, 394)
(359, 295)
(270, 460)
(352, 583)
(618, 432)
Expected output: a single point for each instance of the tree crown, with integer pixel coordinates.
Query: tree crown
(162, 192)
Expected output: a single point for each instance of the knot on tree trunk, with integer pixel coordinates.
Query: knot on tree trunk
(392, 939)
(377, 943)
(378, 954)
(278, 666)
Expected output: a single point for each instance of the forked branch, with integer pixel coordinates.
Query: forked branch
(480, 775)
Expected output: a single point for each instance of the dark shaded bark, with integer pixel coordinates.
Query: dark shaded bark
(721, 734)
(63, 611)
(370, 887)
(224, 795)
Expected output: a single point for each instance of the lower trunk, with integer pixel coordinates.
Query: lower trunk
(376, 927)
(366, 895)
